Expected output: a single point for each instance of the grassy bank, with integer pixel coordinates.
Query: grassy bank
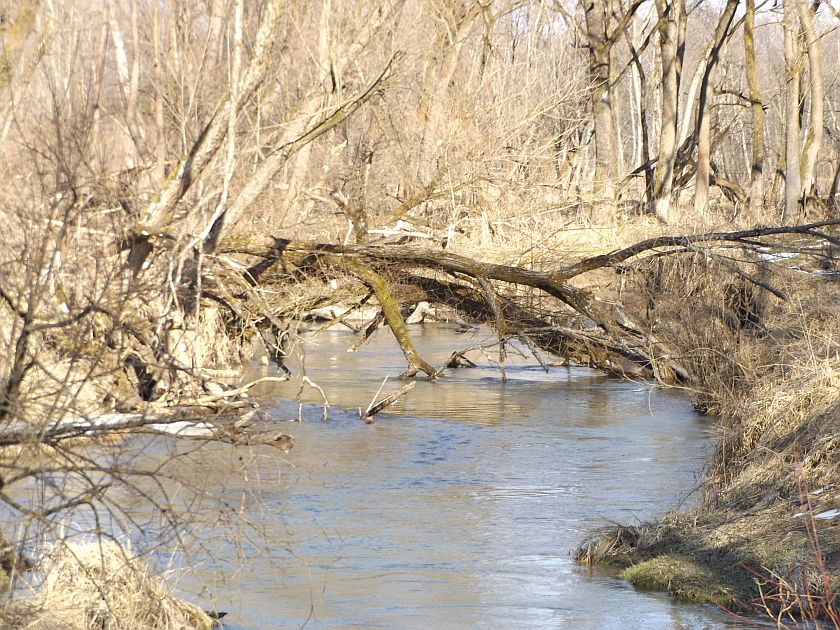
(765, 537)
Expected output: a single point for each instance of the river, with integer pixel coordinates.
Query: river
(458, 508)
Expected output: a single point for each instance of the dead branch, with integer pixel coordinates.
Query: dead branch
(393, 318)
(552, 283)
(611, 347)
(613, 258)
(326, 403)
(212, 400)
(375, 407)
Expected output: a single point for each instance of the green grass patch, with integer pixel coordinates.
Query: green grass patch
(683, 578)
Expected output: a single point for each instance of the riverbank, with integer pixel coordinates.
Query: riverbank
(766, 535)
(754, 326)
(100, 584)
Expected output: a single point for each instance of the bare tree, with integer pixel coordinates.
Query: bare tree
(601, 36)
(757, 109)
(600, 48)
(704, 109)
(457, 23)
(816, 123)
(793, 72)
(672, 24)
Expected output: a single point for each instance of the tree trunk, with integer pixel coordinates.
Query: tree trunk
(436, 87)
(159, 172)
(96, 98)
(757, 107)
(671, 48)
(814, 138)
(793, 70)
(834, 193)
(704, 110)
(214, 35)
(128, 78)
(687, 122)
(602, 115)
(640, 120)
(299, 170)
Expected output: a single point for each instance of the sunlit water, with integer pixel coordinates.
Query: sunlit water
(462, 506)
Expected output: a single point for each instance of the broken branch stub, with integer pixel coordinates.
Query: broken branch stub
(375, 407)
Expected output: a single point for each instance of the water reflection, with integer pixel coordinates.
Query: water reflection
(460, 507)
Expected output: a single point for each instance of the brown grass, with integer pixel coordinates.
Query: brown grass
(773, 386)
(102, 585)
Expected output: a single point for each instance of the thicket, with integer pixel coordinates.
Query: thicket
(181, 180)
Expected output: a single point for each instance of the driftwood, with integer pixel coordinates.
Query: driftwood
(376, 406)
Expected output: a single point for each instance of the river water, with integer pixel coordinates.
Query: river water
(460, 507)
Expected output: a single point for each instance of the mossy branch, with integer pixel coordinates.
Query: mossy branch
(393, 318)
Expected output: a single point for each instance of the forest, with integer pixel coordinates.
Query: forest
(648, 188)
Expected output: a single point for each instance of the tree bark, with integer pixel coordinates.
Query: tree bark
(688, 123)
(834, 193)
(704, 110)
(214, 35)
(96, 98)
(757, 109)
(129, 76)
(793, 70)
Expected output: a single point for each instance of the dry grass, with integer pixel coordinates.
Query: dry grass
(782, 419)
(102, 585)
(773, 386)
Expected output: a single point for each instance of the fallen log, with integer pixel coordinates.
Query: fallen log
(590, 332)
(189, 418)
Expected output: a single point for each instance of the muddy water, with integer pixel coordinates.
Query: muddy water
(459, 508)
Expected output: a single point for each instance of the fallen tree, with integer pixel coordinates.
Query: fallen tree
(157, 351)
(543, 308)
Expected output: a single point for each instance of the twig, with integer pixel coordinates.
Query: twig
(307, 381)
